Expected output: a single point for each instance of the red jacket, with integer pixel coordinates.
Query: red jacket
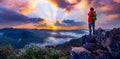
(90, 14)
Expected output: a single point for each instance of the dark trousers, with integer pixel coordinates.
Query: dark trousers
(91, 26)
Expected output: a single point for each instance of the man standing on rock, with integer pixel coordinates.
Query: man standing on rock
(91, 21)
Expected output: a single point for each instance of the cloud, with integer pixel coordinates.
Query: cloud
(36, 20)
(62, 37)
(73, 1)
(26, 25)
(9, 17)
(113, 16)
(108, 7)
(107, 12)
(65, 4)
(117, 1)
(14, 12)
(73, 23)
(69, 23)
(21, 6)
(76, 35)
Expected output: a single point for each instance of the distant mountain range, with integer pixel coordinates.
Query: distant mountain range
(18, 38)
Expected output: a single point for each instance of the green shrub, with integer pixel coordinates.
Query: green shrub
(33, 52)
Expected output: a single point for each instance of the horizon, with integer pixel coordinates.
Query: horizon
(54, 30)
(58, 14)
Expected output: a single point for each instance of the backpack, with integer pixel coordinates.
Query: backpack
(94, 17)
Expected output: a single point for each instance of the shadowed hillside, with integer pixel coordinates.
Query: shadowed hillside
(18, 38)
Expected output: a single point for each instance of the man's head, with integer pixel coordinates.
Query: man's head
(91, 8)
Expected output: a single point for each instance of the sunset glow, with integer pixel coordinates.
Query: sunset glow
(61, 14)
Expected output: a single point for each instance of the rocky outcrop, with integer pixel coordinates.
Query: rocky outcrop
(102, 45)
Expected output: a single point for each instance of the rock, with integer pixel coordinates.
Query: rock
(115, 48)
(102, 45)
(83, 54)
(104, 56)
(90, 46)
(87, 39)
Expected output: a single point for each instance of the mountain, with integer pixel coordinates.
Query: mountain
(103, 45)
(18, 38)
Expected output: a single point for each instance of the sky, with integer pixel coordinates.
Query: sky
(58, 14)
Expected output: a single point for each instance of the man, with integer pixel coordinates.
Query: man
(91, 21)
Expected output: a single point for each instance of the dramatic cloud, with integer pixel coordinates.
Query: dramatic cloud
(58, 14)
(9, 17)
(65, 4)
(21, 6)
